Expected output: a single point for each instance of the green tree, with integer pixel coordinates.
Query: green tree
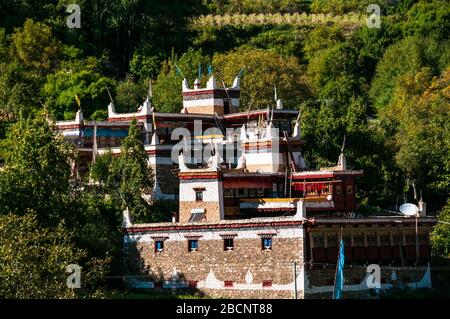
(130, 95)
(428, 18)
(440, 237)
(167, 95)
(33, 260)
(81, 77)
(321, 37)
(419, 119)
(263, 70)
(37, 178)
(37, 171)
(36, 47)
(17, 92)
(407, 56)
(130, 176)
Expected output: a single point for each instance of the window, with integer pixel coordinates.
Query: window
(252, 193)
(228, 244)
(228, 193)
(410, 238)
(159, 246)
(338, 189)
(226, 107)
(347, 238)
(332, 240)
(158, 284)
(269, 193)
(385, 239)
(397, 240)
(280, 188)
(193, 244)
(199, 195)
(192, 283)
(267, 283)
(260, 192)
(318, 241)
(197, 215)
(372, 239)
(228, 283)
(349, 189)
(266, 243)
(241, 192)
(358, 240)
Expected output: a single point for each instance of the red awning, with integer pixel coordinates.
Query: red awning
(310, 187)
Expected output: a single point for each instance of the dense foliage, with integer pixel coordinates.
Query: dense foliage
(127, 179)
(385, 89)
(40, 206)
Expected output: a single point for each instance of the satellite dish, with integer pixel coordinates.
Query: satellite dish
(409, 209)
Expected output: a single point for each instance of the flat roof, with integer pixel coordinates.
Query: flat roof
(222, 224)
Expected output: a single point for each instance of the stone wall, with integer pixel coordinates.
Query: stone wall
(212, 201)
(247, 266)
(212, 210)
(205, 109)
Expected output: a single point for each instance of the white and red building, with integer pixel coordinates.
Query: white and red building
(253, 221)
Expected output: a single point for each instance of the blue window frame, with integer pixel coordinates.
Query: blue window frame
(159, 246)
(193, 245)
(266, 243)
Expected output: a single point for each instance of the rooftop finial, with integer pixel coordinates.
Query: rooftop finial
(185, 85)
(279, 104)
(211, 84)
(197, 84)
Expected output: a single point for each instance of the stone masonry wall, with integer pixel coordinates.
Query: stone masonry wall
(265, 265)
(211, 210)
(206, 109)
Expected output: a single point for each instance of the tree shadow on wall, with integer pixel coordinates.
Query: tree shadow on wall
(139, 277)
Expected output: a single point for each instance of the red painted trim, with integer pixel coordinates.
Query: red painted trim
(184, 176)
(160, 153)
(138, 229)
(298, 176)
(127, 118)
(232, 92)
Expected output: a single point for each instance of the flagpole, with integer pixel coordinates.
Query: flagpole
(337, 261)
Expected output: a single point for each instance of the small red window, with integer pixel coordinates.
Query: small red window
(193, 284)
(228, 283)
(267, 283)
